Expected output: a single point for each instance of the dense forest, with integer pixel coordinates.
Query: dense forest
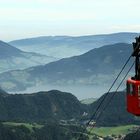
(59, 116)
(47, 132)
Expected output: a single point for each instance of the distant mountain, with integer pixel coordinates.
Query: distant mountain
(40, 107)
(115, 114)
(67, 46)
(96, 67)
(13, 58)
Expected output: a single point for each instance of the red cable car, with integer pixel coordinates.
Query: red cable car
(133, 83)
(133, 96)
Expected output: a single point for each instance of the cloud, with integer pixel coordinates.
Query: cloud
(69, 16)
(127, 27)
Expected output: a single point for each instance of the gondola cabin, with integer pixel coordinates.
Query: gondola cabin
(133, 96)
(133, 84)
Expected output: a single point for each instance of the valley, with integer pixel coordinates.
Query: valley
(69, 70)
(56, 84)
(45, 114)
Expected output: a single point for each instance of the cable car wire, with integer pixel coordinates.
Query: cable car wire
(104, 97)
(109, 101)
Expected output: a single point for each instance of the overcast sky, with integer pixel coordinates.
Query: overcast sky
(30, 18)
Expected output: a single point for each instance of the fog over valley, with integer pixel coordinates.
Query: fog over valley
(65, 69)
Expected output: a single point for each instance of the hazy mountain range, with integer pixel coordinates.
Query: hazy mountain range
(97, 67)
(67, 46)
(91, 61)
(83, 73)
(13, 58)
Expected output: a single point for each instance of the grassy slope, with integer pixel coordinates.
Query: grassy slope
(105, 131)
(88, 101)
(100, 131)
(28, 125)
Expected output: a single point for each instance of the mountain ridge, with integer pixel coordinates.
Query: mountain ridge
(63, 37)
(41, 106)
(67, 46)
(13, 58)
(54, 105)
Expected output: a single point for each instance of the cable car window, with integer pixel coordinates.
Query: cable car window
(138, 90)
(130, 88)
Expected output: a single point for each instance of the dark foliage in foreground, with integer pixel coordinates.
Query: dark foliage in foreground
(48, 132)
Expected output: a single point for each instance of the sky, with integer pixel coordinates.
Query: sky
(31, 18)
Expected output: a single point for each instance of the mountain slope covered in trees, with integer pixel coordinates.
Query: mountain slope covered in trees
(42, 106)
(47, 132)
(115, 113)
